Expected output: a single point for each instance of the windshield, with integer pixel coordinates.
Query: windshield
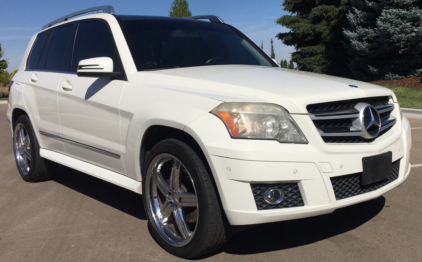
(173, 43)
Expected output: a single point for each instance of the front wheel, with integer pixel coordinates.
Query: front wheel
(184, 214)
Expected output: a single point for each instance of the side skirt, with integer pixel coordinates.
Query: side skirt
(93, 170)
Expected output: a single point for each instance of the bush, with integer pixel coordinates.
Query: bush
(4, 91)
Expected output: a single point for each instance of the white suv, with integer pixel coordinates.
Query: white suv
(195, 117)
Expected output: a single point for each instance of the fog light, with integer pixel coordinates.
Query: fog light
(273, 196)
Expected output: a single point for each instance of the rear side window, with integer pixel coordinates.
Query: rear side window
(94, 39)
(36, 51)
(43, 57)
(59, 57)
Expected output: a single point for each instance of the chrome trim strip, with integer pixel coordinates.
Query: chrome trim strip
(350, 113)
(386, 108)
(386, 124)
(94, 149)
(356, 133)
(334, 116)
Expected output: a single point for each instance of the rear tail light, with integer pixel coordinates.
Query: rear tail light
(10, 86)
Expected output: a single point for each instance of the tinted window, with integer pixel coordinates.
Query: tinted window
(43, 57)
(36, 51)
(171, 43)
(94, 39)
(60, 51)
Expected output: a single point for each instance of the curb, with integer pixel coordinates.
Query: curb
(3, 102)
(410, 112)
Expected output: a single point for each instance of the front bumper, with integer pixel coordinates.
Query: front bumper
(236, 164)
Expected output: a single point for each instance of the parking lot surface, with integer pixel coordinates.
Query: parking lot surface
(76, 217)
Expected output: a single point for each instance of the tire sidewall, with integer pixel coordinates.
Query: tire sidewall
(24, 120)
(173, 147)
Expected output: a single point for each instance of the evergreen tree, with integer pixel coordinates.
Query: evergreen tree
(285, 64)
(180, 8)
(384, 39)
(272, 49)
(262, 45)
(3, 62)
(316, 32)
(291, 64)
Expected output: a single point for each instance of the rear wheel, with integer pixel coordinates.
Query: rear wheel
(184, 214)
(30, 165)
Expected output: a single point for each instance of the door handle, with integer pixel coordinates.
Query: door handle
(67, 86)
(34, 78)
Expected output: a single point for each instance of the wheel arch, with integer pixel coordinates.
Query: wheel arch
(157, 133)
(16, 113)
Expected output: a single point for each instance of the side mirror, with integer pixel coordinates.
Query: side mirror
(97, 67)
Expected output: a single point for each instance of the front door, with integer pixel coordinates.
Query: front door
(89, 106)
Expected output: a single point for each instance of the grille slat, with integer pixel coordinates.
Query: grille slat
(332, 119)
(292, 195)
(350, 185)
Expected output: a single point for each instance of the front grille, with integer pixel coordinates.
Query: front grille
(292, 195)
(335, 121)
(350, 185)
(346, 104)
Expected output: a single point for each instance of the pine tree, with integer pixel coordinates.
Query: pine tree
(291, 64)
(316, 32)
(180, 8)
(262, 45)
(3, 62)
(272, 49)
(285, 64)
(384, 39)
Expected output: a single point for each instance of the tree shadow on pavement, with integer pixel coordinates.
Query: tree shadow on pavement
(295, 233)
(109, 194)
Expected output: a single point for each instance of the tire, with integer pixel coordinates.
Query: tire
(31, 166)
(189, 207)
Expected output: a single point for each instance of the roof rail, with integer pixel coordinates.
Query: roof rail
(108, 9)
(212, 18)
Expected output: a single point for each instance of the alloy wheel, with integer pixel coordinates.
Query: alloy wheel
(22, 145)
(172, 199)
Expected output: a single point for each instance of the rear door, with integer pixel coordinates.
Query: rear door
(88, 106)
(49, 58)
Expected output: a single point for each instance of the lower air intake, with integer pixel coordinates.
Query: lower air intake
(350, 185)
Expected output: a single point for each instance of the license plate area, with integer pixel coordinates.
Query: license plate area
(376, 168)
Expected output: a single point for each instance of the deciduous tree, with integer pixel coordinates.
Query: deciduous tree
(3, 62)
(180, 8)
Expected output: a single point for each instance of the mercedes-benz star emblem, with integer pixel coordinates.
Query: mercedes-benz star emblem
(369, 121)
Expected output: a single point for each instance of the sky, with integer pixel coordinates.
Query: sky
(20, 20)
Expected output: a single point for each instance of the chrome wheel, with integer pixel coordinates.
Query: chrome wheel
(172, 199)
(22, 145)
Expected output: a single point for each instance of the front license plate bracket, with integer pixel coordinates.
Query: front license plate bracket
(376, 168)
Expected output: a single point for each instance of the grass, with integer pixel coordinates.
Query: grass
(3, 98)
(408, 97)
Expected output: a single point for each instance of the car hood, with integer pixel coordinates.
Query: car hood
(292, 89)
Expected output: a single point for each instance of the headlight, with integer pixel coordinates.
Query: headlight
(259, 121)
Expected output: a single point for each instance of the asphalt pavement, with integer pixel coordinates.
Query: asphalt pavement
(76, 217)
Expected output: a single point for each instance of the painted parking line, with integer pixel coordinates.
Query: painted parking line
(416, 128)
(418, 165)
